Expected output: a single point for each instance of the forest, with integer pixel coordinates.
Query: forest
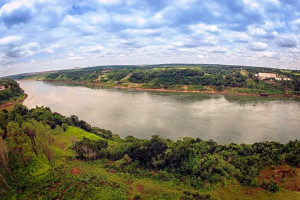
(182, 77)
(45, 155)
(10, 90)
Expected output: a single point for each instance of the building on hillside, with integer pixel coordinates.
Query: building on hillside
(264, 76)
(2, 87)
(286, 79)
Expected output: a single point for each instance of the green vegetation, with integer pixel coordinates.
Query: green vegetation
(9, 91)
(211, 78)
(44, 155)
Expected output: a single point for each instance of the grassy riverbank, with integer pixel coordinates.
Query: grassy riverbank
(236, 80)
(10, 94)
(49, 156)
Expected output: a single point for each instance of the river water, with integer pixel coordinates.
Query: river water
(225, 119)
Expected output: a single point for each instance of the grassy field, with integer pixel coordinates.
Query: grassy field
(74, 179)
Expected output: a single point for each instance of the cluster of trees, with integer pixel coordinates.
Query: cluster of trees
(296, 84)
(116, 75)
(26, 134)
(87, 76)
(22, 140)
(89, 149)
(196, 160)
(208, 161)
(204, 77)
(12, 90)
(169, 76)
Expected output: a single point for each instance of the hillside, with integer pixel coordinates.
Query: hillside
(9, 91)
(184, 77)
(45, 155)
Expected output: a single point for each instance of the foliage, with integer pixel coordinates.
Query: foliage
(89, 149)
(11, 90)
(232, 79)
(38, 149)
(187, 195)
(270, 186)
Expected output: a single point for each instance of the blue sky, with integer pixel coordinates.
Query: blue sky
(38, 35)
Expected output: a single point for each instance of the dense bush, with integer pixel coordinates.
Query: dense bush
(270, 186)
(89, 149)
(12, 90)
(192, 161)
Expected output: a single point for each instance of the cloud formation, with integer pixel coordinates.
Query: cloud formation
(38, 35)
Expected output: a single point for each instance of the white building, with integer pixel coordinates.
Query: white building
(264, 76)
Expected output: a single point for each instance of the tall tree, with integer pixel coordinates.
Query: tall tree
(31, 133)
(4, 156)
(16, 135)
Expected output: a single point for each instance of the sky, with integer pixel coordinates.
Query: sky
(39, 35)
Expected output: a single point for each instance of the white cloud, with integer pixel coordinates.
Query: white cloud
(201, 28)
(258, 46)
(268, 54)
(9, 40)
(98, 32)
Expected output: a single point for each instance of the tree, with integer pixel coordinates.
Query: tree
(15, 133)
(4, 156)
(44, 141)
(1, 133)
(31, 133)
(89, 149)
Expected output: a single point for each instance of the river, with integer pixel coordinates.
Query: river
(225, 119)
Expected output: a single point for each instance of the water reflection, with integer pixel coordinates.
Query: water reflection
(173, 115)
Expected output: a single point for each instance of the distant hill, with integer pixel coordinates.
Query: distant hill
(232, 79)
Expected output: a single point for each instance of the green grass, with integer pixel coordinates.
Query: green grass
(97, 180)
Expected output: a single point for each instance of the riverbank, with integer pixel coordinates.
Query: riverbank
(11, 103)
(171, 90)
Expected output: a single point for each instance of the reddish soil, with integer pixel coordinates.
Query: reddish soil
(140, 189)
(102, 183)
(110, 162)
(12, 103)
(252, 191)
(128, 183)
(112, 171)
(284, 175)
(75, 171)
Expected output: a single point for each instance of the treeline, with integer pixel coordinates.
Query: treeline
(193, 160)
(175, 76)
(26, 134)
(11, 89)
(171, 77)
(26, 138)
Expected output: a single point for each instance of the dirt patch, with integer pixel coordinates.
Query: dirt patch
(253, 191)
(75, 171)
(285, 176)
(129, 183)
(140, 188)
(110, 162)
(14, 102)
(112, 171)
(185, 87)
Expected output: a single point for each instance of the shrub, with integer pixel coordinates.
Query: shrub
(270, 186)
(89, 149)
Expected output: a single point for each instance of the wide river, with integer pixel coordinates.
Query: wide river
(225, 119)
